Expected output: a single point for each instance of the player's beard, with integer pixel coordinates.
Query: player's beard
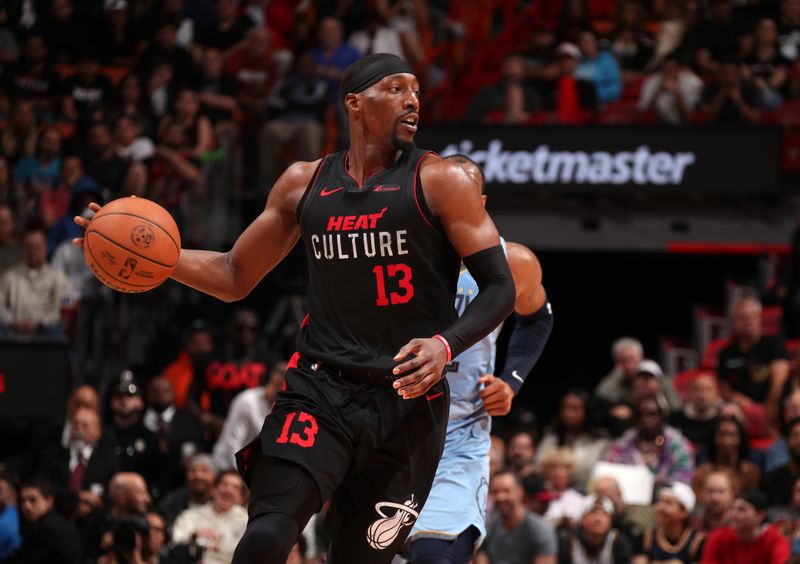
(401, 145)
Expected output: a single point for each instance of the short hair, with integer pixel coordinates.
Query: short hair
(45, 488)
(626, 343)
(229, 472)
(465, 160)
(741, 301)
(744, 445)
(755, 498)
(506, 472)
(559, 456)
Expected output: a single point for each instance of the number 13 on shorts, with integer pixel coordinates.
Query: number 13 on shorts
(300, 421)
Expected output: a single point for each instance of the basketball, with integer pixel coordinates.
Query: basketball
(132, 245)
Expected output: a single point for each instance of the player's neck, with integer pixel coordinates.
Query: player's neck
(366, 159)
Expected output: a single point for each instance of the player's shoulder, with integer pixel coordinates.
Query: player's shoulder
(301, 171)
(288, 190)
(446, 179)
(522, 255)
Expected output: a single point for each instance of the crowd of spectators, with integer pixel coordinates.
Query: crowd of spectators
(106, 98)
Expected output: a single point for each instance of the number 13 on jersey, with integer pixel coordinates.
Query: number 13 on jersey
(401, 273)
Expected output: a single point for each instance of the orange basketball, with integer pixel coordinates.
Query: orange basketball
(132, 245)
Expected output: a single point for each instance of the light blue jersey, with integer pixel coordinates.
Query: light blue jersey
(458, 497)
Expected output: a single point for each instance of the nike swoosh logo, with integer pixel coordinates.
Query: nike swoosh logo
(328, 191)
(516, 375)
(434, 396)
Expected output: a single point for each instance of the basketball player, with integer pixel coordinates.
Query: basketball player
(453, 522)
(364, 415)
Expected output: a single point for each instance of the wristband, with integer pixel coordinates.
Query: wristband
(447, 348)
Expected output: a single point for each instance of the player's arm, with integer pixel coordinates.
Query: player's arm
(455, 199)
(527, 340)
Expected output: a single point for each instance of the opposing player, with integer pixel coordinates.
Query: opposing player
(453, 521)
(363, 418)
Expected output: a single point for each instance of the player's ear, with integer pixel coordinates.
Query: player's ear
(352, 103)
(483, 197)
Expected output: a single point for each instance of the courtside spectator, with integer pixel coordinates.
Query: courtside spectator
(514, 535)
(33, 292)
(511, 100)
(754, 368)
(650, 380)
(747, 540)
(201, 474)
(574, 430)
(728, 450)
(765, 66)
(46, 536)
(520, 454)
(673, 540)
(731, 99)
(218, 525)
(716, 499)
(624, 520)
(778, 483)
(9, 520)
(600, 67)
(594, 540)
(333, 55)
(653, 443)
(246, 417)
(673, 93)
(700, 413)
(538, 494)
(558, 469)
(10, 247)
(778, 452)
(155, 549)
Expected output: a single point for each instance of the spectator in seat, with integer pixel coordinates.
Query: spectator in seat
(700, 413)
(130, 143)
(777, 484)
(102, 162)
(135, 445)
(20, 136)
(255, 70)
(160, 83)
(594, 540)
(778, 452)
(297, 117)
(731, 99)
(615, 388)
(198, 342)
(521, 454)
(570, 96)
(655, 444)
(716, 498)
(600, 67)
(155, 549)
(199, 135)
(673, 93)
(720, 37)
(65, 29)
(538, 494)
(558, 468)
(229, 28)
(238, 365)
(216, 90)
(630, 43)
(136, 181)
(218, 525)
(116, 37)
(10, 247)
(728, 450)
(754, 368)
(201, 474)
(53, 204)
(765, 66)
(32, 293)
(787, 517)
(173, 172)
(789, 29)
(84, 396)
(84, 192)
(333, 55)
(511, 100)
(673, 540)
(131, 102)
(87, 93)
(650, 380)
(46, 536)
(178, 432)
(33, 78)
(625, 521)
(246, 416)
(574, 431)
(164, 47)
(747, 540)
(514, 535)
(9, 520)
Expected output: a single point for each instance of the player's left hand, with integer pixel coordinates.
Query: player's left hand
(496, 394)
(422, 371)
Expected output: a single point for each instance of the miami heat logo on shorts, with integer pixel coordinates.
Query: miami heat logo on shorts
(383, 532)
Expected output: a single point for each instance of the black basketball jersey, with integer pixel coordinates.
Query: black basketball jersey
(381, 269)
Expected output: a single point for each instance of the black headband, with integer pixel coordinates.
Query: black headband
(370, 69)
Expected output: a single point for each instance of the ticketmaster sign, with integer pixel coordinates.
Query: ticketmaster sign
(692, 160)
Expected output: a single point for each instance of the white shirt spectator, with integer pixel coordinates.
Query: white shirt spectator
(664, 103)
(33, 295)
(141, 149)
(70, 260)
(242, 425)
(386, 40)
(228, 526)
(569, 505)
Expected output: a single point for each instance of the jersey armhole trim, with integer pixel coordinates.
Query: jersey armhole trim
(303, 203)
(419, 197)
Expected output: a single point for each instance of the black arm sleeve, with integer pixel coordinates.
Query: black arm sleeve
(494, 302)
(525, 345)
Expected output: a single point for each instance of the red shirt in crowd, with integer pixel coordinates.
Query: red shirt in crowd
(723, 546)
(256, 75)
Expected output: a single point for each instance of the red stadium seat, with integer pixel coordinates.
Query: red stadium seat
(772, 320)
(633, 87)
(683, 381)
(621, 112)
(711, 353)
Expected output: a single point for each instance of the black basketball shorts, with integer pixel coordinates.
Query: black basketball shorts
(371, 452)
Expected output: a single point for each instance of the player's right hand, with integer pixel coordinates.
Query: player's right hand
(84, 223)
(421, 372)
